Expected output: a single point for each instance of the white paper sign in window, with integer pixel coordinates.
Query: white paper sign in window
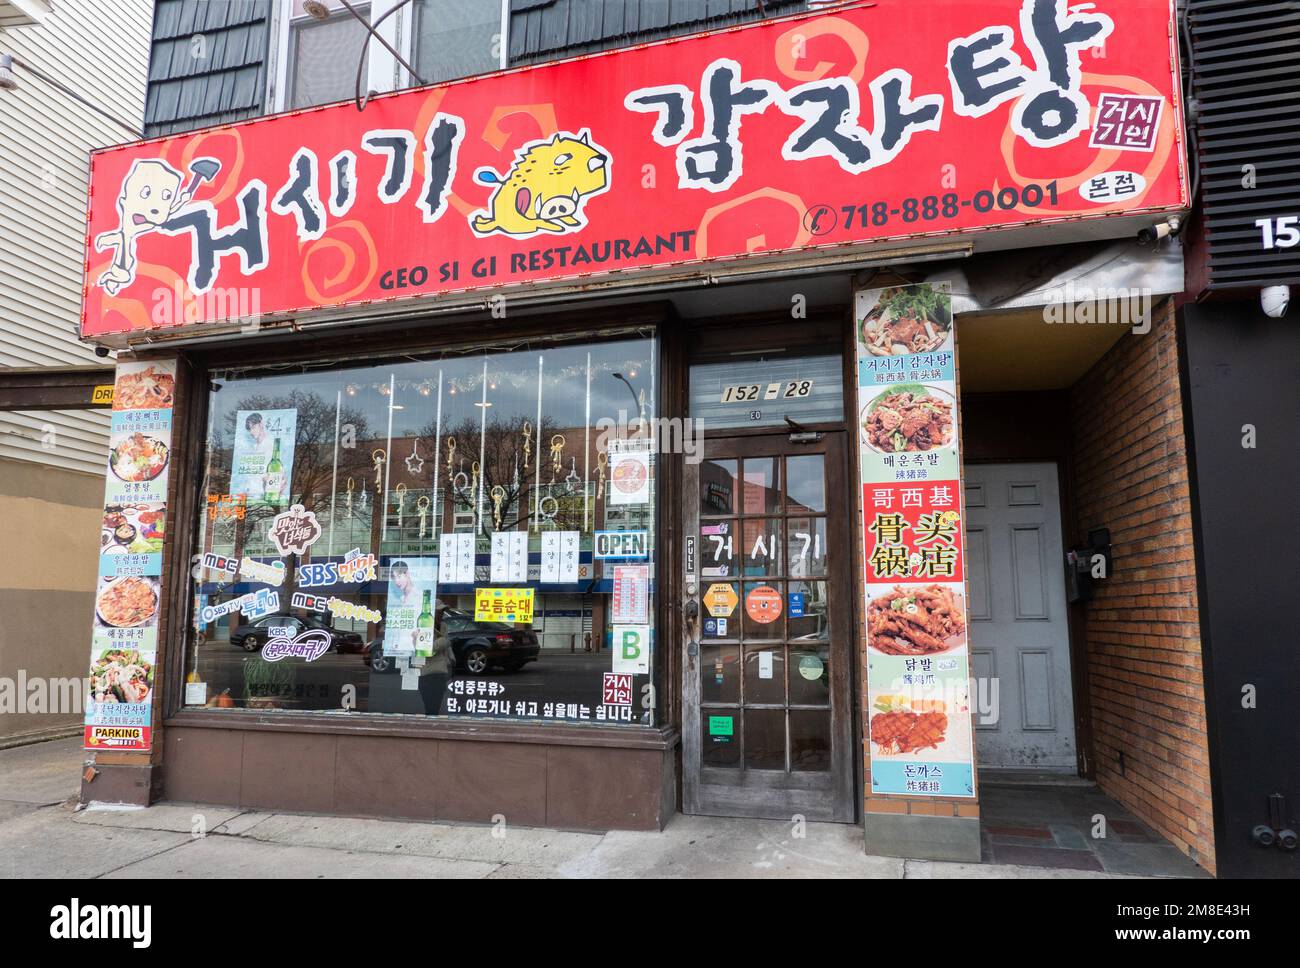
(509, 557)
(456, 554)
(559, 557)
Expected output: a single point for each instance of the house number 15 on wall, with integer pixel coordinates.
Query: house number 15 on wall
(1279, 233)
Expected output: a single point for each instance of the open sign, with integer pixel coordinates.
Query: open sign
(622, 545)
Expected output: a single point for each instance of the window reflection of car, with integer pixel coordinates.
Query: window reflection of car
(253, 636)
(467, 646)
(476, 647)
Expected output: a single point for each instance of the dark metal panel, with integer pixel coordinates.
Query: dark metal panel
(1243, 368)
(615, 19)
(51, 387)
(555, 25)
(654, 14)
(585, 21)
(166, 15)
(190, 16)
(631, 18)
(163, 103)
(1245, 67)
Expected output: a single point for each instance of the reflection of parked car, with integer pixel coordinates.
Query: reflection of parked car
(475, 647)
(373, 655)
(253, 636)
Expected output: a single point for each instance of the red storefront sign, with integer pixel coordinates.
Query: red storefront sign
(886, 121)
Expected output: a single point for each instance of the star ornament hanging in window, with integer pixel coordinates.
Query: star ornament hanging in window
(415, 462)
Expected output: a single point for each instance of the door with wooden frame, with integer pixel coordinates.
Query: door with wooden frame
(768, 647)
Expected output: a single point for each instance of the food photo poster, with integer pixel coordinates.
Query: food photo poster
(918, 684)
(124, 636)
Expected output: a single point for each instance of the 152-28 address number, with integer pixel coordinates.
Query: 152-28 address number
(749, 392)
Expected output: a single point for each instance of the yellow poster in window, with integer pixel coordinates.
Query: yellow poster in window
(511, 605)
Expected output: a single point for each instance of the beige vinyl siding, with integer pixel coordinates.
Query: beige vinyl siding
(100, 49)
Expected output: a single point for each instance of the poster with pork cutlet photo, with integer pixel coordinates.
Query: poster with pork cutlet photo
(919, 723)
(920, 745)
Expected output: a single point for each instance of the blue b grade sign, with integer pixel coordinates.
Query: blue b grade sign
(621, 545)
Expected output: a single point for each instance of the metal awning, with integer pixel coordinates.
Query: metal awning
(55, 387)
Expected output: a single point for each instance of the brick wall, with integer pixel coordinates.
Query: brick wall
(1141, 630)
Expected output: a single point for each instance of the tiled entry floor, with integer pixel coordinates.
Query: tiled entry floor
(1038, 825)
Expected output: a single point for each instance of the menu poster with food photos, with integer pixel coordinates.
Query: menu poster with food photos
(918, 685)
(124, 637)
(139, 456)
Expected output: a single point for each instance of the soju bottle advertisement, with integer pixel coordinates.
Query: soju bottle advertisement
(412, 606)
(262, 465)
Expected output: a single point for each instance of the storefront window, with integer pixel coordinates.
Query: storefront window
(468, 535)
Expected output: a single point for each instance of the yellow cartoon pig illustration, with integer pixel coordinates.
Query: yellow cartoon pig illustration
(545, 189)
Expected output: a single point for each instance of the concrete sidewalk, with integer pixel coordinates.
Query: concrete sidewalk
(42, 834)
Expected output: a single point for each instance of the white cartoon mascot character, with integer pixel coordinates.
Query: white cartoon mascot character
(151, 194)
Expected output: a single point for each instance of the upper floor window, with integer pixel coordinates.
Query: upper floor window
(458, 38)
(323, 53)
(321, 41)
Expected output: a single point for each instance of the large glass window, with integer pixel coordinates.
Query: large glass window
(471, 535)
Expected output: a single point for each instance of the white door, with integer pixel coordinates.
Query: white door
(1019, 632)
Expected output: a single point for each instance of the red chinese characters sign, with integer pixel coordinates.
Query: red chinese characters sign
(886, 121)
(913, 532)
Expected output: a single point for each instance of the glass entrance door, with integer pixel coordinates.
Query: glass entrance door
(768, 656)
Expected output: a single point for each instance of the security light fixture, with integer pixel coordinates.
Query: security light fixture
(8, 79)
(1161, 230)
(1275, 301)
